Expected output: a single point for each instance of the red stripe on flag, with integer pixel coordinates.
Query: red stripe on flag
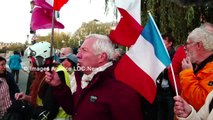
(58, 4)
(128, 72)
(127, 30)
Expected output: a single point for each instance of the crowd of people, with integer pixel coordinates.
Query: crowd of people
(82, 85)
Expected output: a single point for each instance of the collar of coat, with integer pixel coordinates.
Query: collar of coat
(202, 64)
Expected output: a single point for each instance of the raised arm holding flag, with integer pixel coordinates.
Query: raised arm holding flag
(41, 54)
(43, 16)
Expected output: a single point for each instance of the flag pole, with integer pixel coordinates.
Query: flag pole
(58, 29)
(173, 76)
(52, 39)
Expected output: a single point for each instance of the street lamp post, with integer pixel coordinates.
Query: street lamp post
(34, 38)
(32, 4)
(27, 38)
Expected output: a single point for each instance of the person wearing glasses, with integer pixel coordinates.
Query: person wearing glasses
(196, 78)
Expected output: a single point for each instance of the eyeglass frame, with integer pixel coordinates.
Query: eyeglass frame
(189, 44)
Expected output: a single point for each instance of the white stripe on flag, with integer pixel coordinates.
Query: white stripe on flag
(50, 2)
(142, 53)
(132, 7)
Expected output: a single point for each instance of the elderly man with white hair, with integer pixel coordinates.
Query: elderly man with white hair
(197, 83)
(97, 95)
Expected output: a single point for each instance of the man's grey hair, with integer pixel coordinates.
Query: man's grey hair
(204, 35)
(103, 44)
(207, 26)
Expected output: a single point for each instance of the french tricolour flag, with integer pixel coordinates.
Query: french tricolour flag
(147, 56)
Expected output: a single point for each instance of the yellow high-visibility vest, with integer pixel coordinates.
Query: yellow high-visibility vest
(62, 115)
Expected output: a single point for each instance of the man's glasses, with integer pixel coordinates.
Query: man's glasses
(187, 44)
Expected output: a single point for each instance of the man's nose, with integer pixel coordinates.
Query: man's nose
(78, 55)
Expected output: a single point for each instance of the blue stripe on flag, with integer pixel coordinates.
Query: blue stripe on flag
(150, 33)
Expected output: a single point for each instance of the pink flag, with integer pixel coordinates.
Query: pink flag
(146, 57)
(51, 4)
(42, 19)
(42, 16)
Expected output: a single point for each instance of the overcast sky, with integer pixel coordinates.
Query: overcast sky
(15, 17)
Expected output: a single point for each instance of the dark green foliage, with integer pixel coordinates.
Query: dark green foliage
(181, 16)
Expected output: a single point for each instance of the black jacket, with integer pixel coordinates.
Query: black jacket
(13, 88)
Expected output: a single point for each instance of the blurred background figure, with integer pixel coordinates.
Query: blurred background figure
(39, 94)
(70, 63)
(65, 51)
(165, 93)
(15, 64)
(118, 53)
(75, 50)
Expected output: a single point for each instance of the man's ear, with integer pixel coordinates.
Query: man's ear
(102, 57)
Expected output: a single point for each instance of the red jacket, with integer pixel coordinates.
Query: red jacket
(103, 99)
(177, 67)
